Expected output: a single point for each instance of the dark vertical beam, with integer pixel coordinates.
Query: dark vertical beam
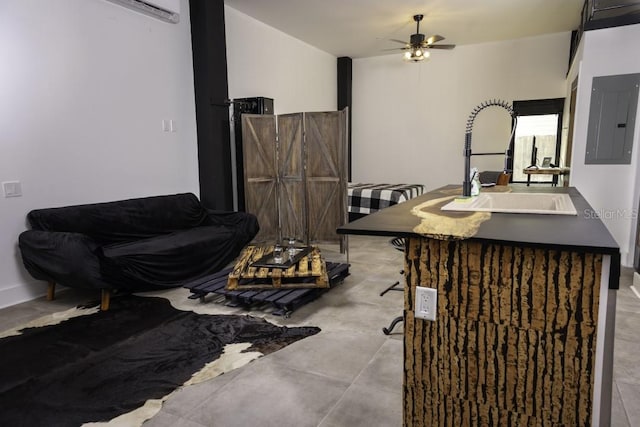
(212, 111)
(345, 98)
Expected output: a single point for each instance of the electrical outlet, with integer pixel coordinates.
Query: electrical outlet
(426, 303)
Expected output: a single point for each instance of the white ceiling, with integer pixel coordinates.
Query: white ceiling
(361, 28)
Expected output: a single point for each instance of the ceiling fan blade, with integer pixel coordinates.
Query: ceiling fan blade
(434, 39)
(396, 48)
(442, 46)
(398, 41)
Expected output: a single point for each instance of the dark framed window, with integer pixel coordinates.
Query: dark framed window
(537, 137)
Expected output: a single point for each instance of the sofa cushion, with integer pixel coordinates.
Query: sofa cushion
(123, 220)
(171, 259)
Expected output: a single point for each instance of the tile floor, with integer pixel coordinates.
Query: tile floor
(350, 374)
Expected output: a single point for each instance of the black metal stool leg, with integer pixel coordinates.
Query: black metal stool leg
(393, 324)
(399, 244)
(390, 288)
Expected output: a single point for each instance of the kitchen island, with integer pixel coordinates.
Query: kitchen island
(525, 312)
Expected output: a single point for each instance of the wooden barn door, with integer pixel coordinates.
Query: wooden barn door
(291, 189)
(325, 158)
(261, 173)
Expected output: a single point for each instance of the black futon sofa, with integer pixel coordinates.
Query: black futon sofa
(132, 245)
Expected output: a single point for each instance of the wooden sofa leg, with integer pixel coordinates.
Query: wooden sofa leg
(106, 298)
(51, 291)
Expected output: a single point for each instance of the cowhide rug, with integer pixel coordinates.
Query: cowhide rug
(87, 366)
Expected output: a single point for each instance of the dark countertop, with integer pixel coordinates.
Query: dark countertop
(583, 232)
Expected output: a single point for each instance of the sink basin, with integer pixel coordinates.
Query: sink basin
(531, 203)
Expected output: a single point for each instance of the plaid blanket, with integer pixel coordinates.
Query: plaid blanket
(368, 198)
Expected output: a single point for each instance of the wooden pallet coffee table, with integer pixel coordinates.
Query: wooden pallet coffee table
(245, 276)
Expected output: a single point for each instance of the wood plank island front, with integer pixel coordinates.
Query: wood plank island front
(525, 313)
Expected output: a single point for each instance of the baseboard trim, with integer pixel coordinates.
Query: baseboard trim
(17, 294)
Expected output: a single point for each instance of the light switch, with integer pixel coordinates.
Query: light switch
(166, 127)
(172, 125)
(12, 188)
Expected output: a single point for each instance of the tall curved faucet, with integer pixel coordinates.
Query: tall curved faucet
(466, 184)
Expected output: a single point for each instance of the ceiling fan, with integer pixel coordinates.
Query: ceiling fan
(417, 48)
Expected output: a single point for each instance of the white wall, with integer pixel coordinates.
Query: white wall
(84, 86)
(409, 119)
(612, 190)
(263, 61)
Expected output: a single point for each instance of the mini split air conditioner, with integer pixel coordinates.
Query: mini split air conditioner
(166, 10)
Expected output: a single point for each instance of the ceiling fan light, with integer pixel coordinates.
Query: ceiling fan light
(415, 59)
(416, 54)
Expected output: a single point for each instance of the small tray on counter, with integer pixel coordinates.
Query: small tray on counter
(267, 261)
